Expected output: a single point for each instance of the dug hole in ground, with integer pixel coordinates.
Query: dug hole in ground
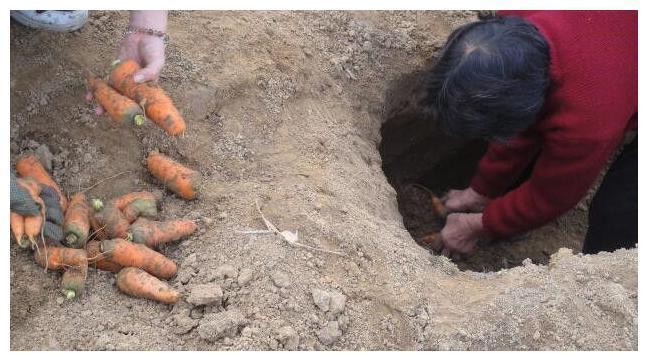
(286, 108)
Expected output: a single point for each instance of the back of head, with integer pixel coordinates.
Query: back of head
(491, 79)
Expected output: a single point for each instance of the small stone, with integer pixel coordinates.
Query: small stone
(226, 271)
(343, 322)
(183, 323)
(59, 300)
(337, 303)
(246, 332)
(280, 279)
(330, 333)
(288, 337)
(208, 221)
(206, 294)
(215, 326)
(245, 276)
(321, 299)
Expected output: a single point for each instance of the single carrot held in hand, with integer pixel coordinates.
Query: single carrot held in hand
(77, 221)
(153, 233)
(120, 108)
(158, 105)
(29, 166)
(129, 254)
(135, 282)
(180, 179)
(99, 259)
(17, 222)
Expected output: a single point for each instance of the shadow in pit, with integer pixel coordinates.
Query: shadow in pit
(415, 150)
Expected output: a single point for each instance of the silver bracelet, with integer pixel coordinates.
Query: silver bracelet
(160, 34)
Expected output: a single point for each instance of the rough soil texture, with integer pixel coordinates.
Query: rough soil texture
(285, 108)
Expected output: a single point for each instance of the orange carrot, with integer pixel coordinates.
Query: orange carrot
(33, 226)
(98, 230)
(120, 108)
(180, 179)
(438, 207)
(60, 257)
(77, 221)
(130, 254)
(114, 221)
(99, 259)
(29, 166)
(122, 201)
(135, 282)
(433, 240)
(73, 282)
(17, 222)
(153, 233)
(140, 208)
(159, 107)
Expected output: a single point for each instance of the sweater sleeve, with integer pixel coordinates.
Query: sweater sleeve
(503, 164)
(565, 170)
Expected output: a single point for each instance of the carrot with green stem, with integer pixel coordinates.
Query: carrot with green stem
(180, 179)
(100, 259)
(129, 254)
(77, 221)
(154, 233)
(136, 282)
(158, 105)
(29, 166)
(120, 108)
(73, 282)
(113, 220)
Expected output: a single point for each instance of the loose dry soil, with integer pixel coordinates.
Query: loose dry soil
(286, 108)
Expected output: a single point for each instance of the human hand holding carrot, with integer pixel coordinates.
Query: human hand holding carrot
(145, 48)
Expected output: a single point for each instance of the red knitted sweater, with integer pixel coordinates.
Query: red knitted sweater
(592, 101)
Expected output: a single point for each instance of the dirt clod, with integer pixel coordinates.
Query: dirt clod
(206, 294)
(215, 326)
(330, 333)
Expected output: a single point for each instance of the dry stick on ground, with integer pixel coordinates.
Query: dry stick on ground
(288, 236)
(105, 179)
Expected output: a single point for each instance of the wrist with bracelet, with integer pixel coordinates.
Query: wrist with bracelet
(147, 31)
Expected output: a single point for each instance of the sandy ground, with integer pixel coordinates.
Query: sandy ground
(286, 108)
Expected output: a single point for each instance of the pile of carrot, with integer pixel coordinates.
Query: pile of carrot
(123, 99)
(121, 235)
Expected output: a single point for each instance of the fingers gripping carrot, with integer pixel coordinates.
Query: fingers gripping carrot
(159, 107)
(135, 282)
(153, 233)
(180, 179)
(130, 254)
(120, 108)
(77, 221)
(30, 166)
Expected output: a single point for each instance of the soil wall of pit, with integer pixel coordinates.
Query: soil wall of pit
(284, 108)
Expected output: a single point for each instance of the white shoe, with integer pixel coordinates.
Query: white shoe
(54, 20)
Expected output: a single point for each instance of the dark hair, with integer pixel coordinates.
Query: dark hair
(491, 79)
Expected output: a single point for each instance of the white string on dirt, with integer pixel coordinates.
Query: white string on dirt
(291, 238)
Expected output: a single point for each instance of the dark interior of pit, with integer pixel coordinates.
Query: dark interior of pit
(414, 150)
